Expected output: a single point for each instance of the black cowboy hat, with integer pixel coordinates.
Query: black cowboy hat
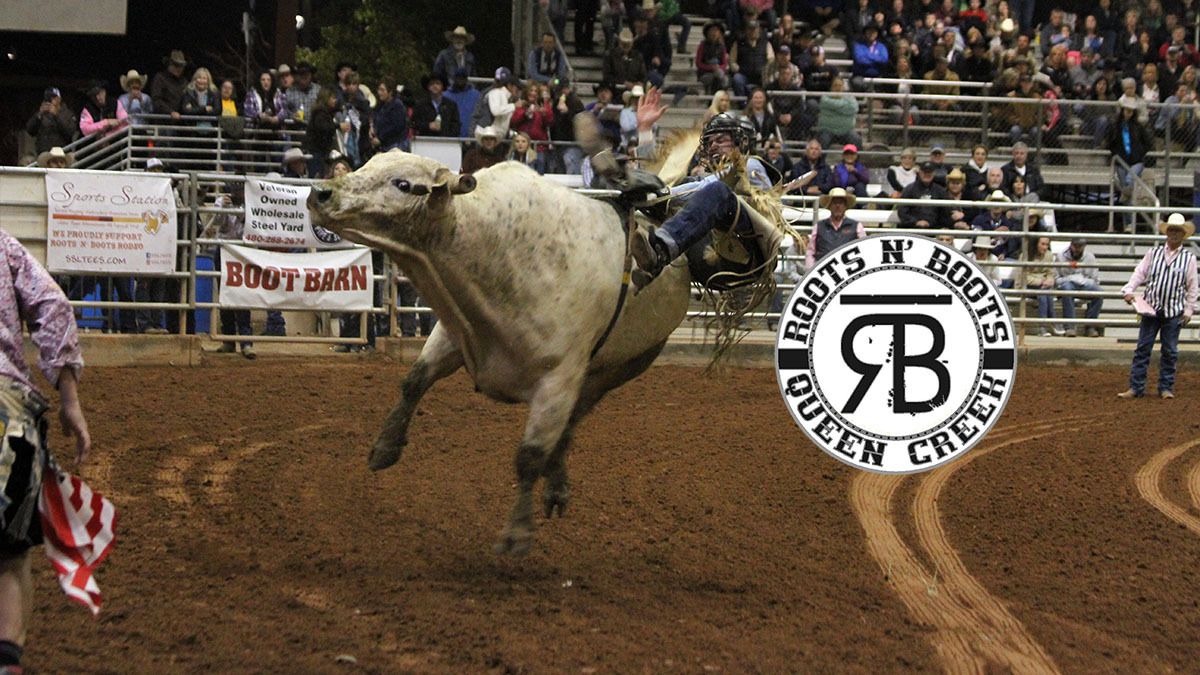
(176, 57)
(93, 87)
(345, 64)
(710, 24)
(426, 79)
(304, 67)
(603, 85)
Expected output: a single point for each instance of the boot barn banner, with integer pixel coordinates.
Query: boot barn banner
(110, 223)
(277, 215)
(324, 280)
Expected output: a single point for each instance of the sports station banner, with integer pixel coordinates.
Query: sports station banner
(277, 215)
(110, 223)
(324, 280)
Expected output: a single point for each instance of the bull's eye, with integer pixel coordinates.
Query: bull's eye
(402, 185)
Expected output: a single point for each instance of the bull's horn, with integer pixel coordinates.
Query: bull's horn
(462, 184)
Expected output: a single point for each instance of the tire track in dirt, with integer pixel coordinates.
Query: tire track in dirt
(1149, 484)
(172, 473)
(1193, 484)
(974, 631)
(218, 475)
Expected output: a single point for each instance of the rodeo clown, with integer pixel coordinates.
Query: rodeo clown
(28, 295)
(706, 203)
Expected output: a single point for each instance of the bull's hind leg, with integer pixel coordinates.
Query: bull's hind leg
(439, 358)
(549, 414)
(557, 490)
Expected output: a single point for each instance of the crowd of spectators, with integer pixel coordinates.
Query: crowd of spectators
(768, 66)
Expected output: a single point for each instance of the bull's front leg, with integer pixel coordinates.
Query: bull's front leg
(439, 358)
(549, 414)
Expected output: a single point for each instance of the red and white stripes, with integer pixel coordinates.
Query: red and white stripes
(78, 526)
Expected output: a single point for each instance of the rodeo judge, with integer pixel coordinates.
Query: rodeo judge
(29, 294)
(1169, 272)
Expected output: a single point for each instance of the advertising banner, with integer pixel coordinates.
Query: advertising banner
(110, 223)
(324, 280)
(277, 215)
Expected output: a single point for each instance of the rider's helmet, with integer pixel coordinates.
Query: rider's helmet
(739, 129)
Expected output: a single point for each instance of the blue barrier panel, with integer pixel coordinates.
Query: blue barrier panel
(204, 293)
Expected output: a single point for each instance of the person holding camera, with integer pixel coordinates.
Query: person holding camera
(53, 125)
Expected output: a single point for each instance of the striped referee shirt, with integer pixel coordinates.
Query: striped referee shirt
(1170, 278)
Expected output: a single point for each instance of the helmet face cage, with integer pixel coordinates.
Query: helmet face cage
(741, 131)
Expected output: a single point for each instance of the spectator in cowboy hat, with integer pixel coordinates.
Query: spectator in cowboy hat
(623, 65)
(438, 114)
(456, 55)
(486, 153)
(134, 102)
(981, 250)
(835, 230)
(55, 158)
(168, 85)
(98, 115)
(302, 95)
(1169, 272)
(295, 163)
(996, 219)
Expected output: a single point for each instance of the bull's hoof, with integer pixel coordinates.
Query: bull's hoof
(514, 541)
(384, 455)
(556, 500)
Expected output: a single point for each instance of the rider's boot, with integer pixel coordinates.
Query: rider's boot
(651, 254)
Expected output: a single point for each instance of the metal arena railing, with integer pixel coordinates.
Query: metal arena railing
(187, 143)
(23, 209)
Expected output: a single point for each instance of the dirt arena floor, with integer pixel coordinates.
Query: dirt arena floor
(706, 534)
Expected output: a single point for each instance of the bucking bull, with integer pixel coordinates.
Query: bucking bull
(525, 276)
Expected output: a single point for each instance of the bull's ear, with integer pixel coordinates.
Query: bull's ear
(441, 179)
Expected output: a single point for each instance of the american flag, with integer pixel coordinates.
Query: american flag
(78, 526)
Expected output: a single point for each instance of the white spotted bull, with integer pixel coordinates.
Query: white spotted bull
(524, 275)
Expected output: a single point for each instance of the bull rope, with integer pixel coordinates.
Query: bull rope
(630, 233)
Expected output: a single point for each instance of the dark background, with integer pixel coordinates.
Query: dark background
(210, 34)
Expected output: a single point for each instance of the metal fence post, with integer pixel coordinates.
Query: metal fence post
(1166, 189)
(1021, 311)
(985, 121)
(193, 191)
(871, 114)
(904, 118)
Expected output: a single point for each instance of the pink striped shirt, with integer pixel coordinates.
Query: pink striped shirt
(29, 294)
(1142, 271)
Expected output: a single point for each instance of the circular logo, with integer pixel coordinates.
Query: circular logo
(896, 353)
(326, 236)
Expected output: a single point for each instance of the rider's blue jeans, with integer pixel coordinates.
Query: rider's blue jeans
(710, 206)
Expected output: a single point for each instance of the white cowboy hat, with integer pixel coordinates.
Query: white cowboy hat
(636, 92)
(982, 241)
(997, 196)
(1176, 221)
(838, 193)
(43, 160)
(459, 32)
(293, 154)
(129, 78)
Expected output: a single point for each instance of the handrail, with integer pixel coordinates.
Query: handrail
(1137, 183)
(544, 23)
(923, 82)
